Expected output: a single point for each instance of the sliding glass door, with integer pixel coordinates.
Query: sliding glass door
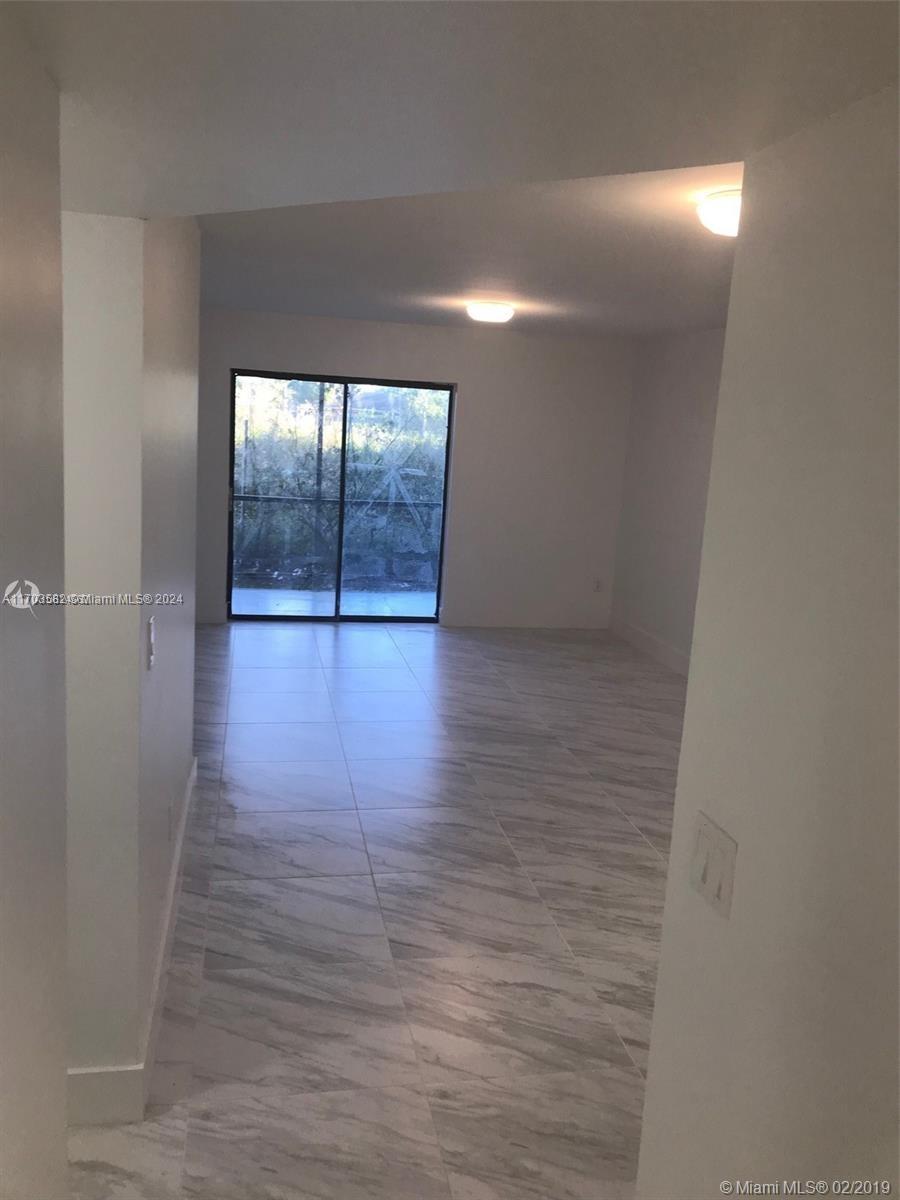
(286, 498)
(396, 456)
(338, 491)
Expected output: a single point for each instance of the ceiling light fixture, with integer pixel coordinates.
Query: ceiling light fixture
(497, 314)
(720, 212)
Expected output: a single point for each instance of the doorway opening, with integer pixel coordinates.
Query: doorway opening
(338, 497)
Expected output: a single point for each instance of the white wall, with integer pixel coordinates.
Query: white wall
(774, 1050)
(32, 676)
(131, 305)
(537, 454)
(103, 365)
(670, 436)
(168, 558)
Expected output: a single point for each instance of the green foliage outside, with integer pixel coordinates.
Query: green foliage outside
(287, 478)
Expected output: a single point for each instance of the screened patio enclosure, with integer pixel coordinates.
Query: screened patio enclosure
(338, 497)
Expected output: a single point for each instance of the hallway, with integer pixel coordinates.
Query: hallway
(417, 936)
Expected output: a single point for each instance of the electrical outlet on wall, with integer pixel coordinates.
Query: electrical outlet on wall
(713, 864)
(598, 585)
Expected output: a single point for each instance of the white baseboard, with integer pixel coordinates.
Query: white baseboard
(167, 932)
(105, 1095)
(649, 643)
(117, 1094)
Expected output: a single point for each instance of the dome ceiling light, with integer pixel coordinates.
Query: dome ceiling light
(497, 314)
(720, 212)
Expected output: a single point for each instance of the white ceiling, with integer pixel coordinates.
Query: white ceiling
(216, 107)
(618, 253)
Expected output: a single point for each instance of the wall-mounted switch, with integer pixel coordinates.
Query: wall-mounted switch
(713, 863)
(151, 641)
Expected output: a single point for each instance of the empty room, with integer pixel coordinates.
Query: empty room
(449, 639)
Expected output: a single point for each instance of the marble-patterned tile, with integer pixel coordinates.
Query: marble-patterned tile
(494, 709)
(273, 1144)
(581, 809)
(394, 739)
(614, 932)
(142, 1161)
(257, 708)
(650, 812)
(342, 680)
(603, 902)
(443, 653)
(212, 639)
(189, 934)
(204, 799)
(570, 1136)
(282, 924)
(284, 787)
(495, 1017)
(344, 653)
(211, 670)
(174, 1050)
(628, 999)
(213, 688)
(211, 656)
(197, 880)
(264, 647)
(635, 759)
(281, 845)
(580, 717)
(209, 739)
(414, 783)
(197, 873)
(560, 743)
(618, 711)
(667, 723)
(181, 1000)
(562, 683)
(562, 854)
(428, 839)
(210, 710)
(459, 913)
(212, 631)
(283, 742)
(209, 768)
(197, 856)
(170, 1082)
(616, 942)
(331, 1026)
(382, 706)
(333, 633)
(200, 826)
(557, 792)
(412, 631)
(454, 683)
(486, 744)
(271, 680)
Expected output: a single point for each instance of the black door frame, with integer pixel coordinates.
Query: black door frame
(343, 381)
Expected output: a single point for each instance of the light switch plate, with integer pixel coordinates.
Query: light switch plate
(713, 864)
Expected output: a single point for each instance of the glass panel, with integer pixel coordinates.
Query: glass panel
(287, 473)
(394, 494)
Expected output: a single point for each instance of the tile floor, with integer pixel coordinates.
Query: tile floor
(418, 929)
(294, 602)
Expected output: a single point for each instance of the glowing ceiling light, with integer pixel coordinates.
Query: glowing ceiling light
(720, 212)
(496, 313)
